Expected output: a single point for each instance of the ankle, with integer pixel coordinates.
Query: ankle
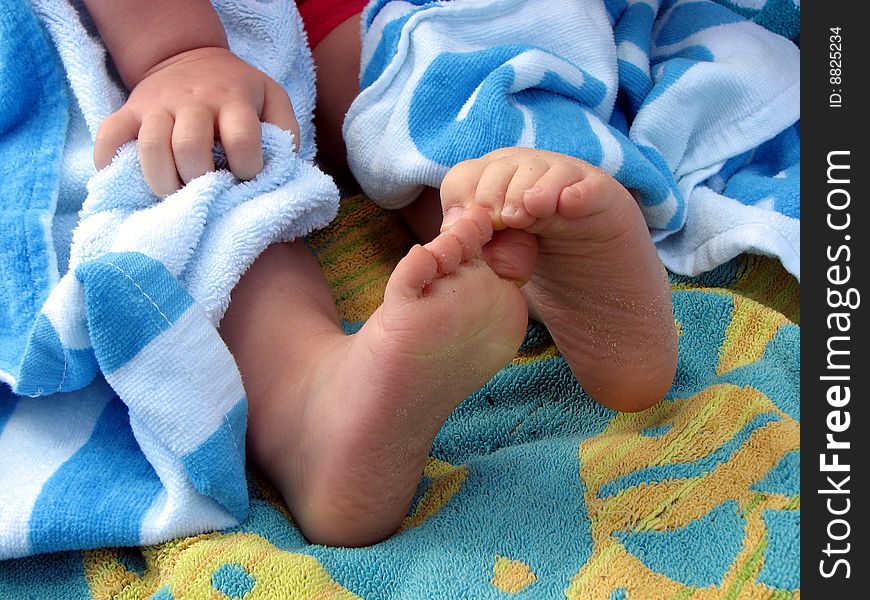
(280, 409)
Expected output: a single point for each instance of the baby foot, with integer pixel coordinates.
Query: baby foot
(598, 285)
(349, 463)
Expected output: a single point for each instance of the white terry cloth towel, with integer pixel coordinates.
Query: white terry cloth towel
(685, 101)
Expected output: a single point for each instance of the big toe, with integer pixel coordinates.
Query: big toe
(512, 254)
(413, 273)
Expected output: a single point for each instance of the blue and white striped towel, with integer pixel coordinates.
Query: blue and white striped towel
(684, 100)
(122, 413)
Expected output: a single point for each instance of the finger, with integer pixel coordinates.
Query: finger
(278, 110)
(457, 189)
(241, 136)
(192, 142)
(155, 153)
(119, 128)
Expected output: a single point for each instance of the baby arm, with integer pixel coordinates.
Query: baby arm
(186, 90)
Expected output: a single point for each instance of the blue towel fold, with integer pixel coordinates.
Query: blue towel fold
(686, 101)
(122, 413)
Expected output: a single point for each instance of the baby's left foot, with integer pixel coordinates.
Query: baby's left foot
(598, 286)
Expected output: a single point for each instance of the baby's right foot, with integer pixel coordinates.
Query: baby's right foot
(598, 286)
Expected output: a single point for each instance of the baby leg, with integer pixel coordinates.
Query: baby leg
(598, 284)
(342, 425)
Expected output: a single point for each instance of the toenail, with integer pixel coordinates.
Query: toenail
(452, 215)
(509, 211)
(533, 191)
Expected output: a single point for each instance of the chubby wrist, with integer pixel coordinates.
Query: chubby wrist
(168, 54)
(186, 55)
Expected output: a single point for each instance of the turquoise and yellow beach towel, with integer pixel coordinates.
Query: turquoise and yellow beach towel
(534, 490)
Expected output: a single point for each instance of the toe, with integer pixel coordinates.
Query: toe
(458, 188)
(512, 255)
(481, 219)
(542, 199)
(571, 203)
(539, 202)
(513, 213)
(467, 234)
(492, 187)
(411, 276)
(447, 250)
(596, 192)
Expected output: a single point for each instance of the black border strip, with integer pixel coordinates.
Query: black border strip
(834, 197)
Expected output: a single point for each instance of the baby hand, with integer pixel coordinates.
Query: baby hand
(186, 102)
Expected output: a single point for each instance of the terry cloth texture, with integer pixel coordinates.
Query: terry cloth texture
(122, 414)
(534, 491)
(686, 101)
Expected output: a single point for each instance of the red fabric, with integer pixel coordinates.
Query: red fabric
(322, 16)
